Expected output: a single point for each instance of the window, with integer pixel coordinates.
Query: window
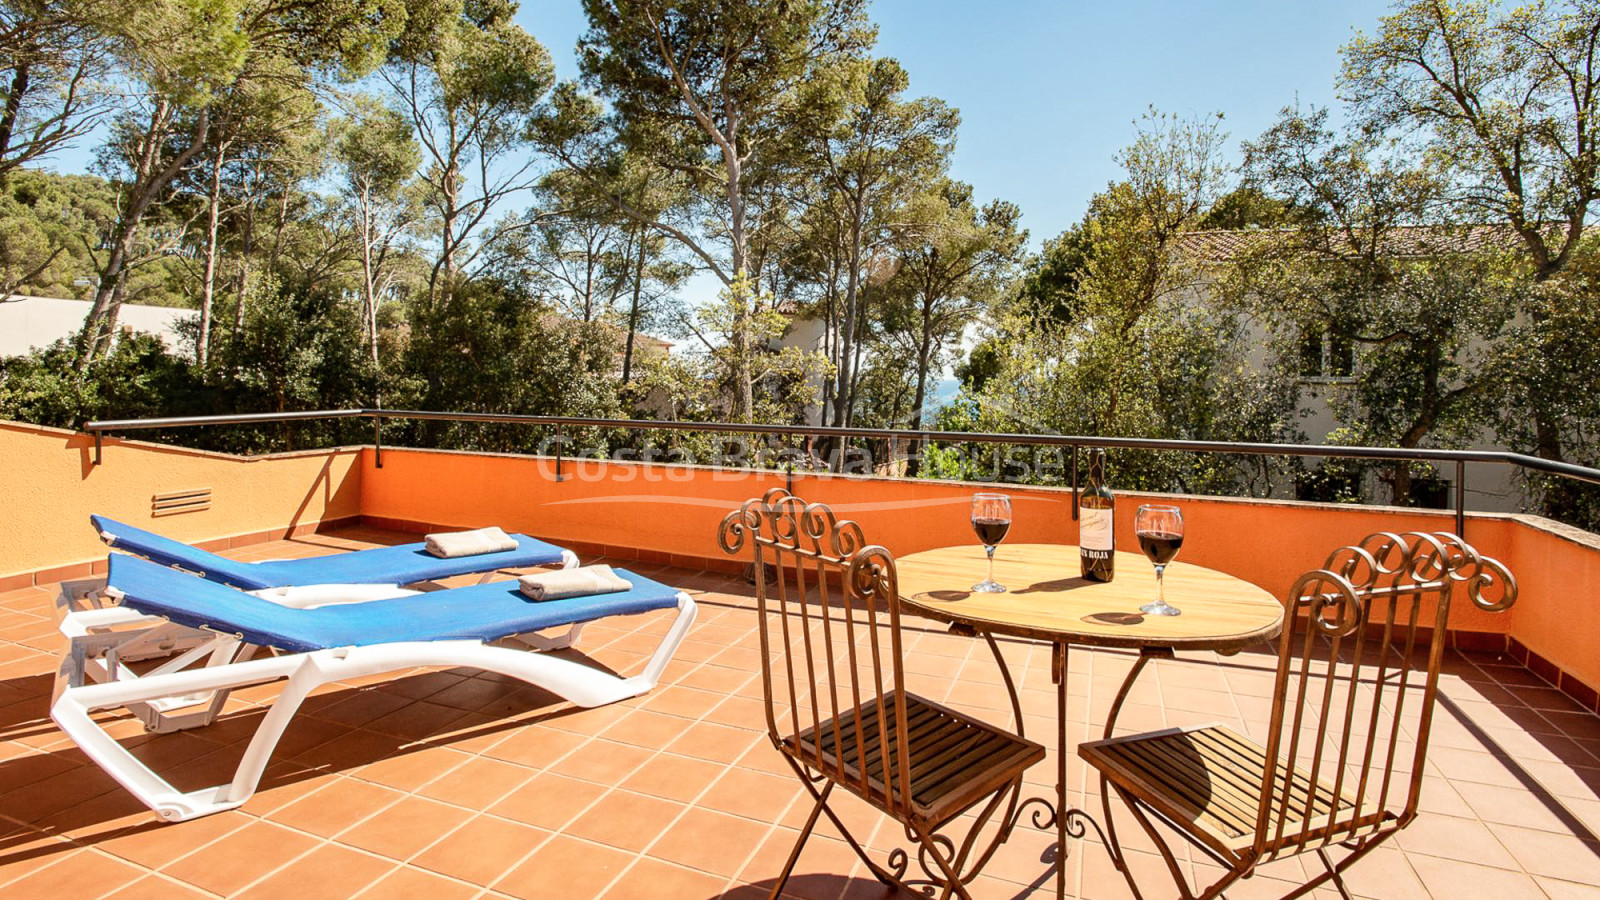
(1327, 352)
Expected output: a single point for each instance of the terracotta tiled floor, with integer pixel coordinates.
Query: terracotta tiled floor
(453, 784)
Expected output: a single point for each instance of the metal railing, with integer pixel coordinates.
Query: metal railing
(1456, 458)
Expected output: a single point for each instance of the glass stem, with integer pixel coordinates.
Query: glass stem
(1161, 586)
(990, 577)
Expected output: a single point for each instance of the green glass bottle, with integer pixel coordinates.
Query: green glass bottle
(1096, 523)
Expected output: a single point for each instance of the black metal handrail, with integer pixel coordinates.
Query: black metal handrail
(1458, 458)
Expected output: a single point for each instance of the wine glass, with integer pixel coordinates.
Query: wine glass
(991, 519)
(1160, 531)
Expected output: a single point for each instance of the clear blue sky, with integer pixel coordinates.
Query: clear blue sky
(1049, 89)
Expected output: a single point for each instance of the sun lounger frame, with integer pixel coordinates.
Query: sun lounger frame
(200, 678)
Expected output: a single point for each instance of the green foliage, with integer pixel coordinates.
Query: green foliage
(784, 380)
(138, 378)
(741, 67)
(1049, 283)
(952, 267)
(1548, 353)
(488, 347)
(1503, 99)
(1139, 357)
(473, 82)
(1247, 207)
(43, 218)
(53, 62)
(981, 364)
(375, 148)
(296, 351)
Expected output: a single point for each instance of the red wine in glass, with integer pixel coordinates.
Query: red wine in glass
(1160, 532)
(1160, 546)
(991, 530)
(991, 520)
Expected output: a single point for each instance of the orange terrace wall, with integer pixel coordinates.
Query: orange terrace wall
(50, 487)
(670, 514)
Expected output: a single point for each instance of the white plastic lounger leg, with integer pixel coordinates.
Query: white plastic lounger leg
(72, 712)
(100, 640)
(669, 643)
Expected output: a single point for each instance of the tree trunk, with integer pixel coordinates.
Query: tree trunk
(208, 277)
(830, 340)
(239, 295)
(247, 243)
(100, 325)
(280, 223)
(633, 311)
(442, 281)
(20, 77)
(844, 403)
(924, 352)
(369, 286)
(855, 384)
(744, 400)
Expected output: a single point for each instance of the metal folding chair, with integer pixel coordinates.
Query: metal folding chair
(1357, 676)
(837, 707)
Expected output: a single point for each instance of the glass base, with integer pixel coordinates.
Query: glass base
(988, 587)
(1160, 609)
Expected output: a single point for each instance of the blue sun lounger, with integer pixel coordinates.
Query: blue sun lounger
(399, 565)
(453, 627)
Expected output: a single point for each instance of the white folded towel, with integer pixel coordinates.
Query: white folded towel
(451, 544)
(572, 583)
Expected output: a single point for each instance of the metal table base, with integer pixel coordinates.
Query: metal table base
(1066, 821)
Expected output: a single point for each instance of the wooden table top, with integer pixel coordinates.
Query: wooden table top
(1048, 600)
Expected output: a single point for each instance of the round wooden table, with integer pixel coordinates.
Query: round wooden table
(1047, 600)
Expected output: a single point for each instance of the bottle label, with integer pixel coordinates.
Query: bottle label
(1094, 529)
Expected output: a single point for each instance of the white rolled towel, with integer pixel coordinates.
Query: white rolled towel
(451, 544)
(572, 583)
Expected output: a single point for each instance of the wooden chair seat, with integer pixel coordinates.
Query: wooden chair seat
(1209, 779)
(955, 760)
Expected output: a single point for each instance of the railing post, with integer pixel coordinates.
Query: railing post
(1461, 499)
(561, 449)
(97, 436)
(788, 466)
(1074, 449)
(377, 441)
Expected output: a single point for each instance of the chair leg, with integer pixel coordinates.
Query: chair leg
(882, 874)
(1114, 849)
(1161, 844)
(948, 868)
(1001, 835)
(1335, 871)
(800, 842)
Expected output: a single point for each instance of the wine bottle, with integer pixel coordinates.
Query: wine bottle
(1096, 548)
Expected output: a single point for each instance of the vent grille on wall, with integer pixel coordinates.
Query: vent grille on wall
(180, 502)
